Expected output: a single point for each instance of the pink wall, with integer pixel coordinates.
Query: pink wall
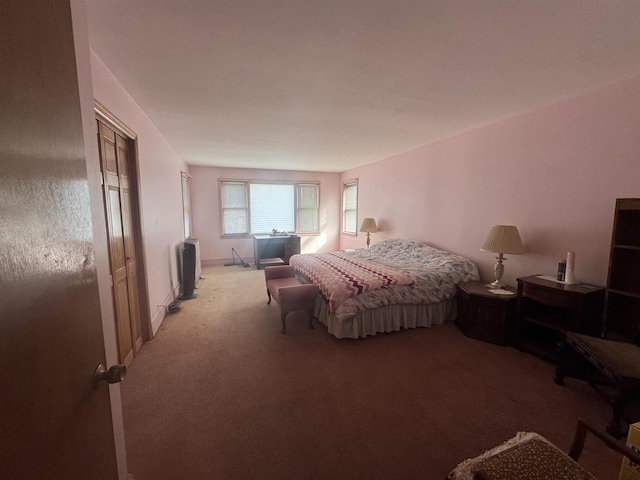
(555, 173)
(161, 189)
(205, 205)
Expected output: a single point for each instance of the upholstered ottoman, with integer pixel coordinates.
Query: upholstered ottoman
(289, 293)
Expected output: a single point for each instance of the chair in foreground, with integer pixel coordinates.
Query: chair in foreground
(530, 456)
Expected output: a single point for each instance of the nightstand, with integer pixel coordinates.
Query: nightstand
(484, 315)
(546, 309)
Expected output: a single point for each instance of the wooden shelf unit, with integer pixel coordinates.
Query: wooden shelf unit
(622, 297)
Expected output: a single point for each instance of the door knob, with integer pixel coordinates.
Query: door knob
(115, 374)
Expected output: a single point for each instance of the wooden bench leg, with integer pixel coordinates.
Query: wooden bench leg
(269, 295)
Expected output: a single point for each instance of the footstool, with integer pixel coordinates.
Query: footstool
(289, 293)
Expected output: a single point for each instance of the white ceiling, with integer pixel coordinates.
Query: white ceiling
(327, 85)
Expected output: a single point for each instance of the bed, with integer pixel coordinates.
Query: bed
(396, 284)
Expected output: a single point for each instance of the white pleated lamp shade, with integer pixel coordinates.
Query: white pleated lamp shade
(503, 239)
(369, 226)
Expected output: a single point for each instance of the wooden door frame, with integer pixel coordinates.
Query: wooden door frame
(104, 115)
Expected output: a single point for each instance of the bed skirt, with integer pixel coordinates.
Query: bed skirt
(388, 318)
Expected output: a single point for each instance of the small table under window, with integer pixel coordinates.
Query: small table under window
(274, 249)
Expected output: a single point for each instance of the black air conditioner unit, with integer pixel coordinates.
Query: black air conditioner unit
(191, 269)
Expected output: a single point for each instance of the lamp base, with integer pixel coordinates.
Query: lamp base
(498, 270)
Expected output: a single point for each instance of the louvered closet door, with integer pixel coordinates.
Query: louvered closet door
(126, 204)
(114, 159)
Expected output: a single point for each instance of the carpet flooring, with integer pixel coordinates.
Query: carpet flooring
(219, 393)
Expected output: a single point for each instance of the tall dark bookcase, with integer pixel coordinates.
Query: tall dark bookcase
(622, 296)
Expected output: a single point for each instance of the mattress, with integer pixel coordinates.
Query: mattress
(392, 285)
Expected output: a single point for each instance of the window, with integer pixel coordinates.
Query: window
(350, 207)
(235, 210)
(272, 206)
(186, 204)
(258, 207)
(308, 206)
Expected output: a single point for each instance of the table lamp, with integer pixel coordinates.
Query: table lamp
(502, 239)
(369, 226)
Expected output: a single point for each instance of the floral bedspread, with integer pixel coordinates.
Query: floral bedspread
(434, 274)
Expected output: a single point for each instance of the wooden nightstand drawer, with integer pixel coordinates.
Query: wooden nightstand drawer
(544, 295)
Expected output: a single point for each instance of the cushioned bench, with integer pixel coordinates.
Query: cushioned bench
(289, 293)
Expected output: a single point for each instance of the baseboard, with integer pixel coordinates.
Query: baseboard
(216, 263)
(161, 310)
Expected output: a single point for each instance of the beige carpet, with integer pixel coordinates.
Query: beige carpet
(221, 394)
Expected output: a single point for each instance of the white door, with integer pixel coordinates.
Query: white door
(53, 423)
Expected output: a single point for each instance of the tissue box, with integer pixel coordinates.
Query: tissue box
(629, 470)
